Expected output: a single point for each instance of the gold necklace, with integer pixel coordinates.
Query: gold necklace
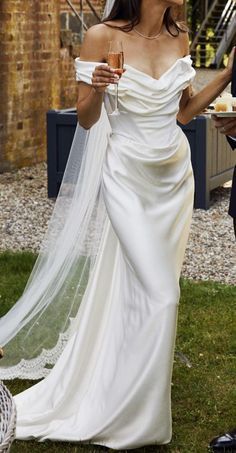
(147, 37)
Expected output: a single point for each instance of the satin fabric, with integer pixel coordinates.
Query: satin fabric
(112, 384)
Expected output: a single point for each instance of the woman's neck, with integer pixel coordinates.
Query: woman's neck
(152, 15)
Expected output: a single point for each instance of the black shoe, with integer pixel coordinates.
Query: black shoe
(226, 442)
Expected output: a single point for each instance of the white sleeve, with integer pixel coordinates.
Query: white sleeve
(84, 70)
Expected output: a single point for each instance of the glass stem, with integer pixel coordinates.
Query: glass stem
(116, 97)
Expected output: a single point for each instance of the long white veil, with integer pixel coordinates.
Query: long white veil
(35, 331)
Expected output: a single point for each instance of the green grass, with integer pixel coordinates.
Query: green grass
(14, 272)
(203, 397)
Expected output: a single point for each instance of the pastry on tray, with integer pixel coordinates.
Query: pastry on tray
(224, 103)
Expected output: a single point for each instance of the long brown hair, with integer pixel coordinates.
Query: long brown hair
(130, 10)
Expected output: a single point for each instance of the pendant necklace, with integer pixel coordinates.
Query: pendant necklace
(147, 37)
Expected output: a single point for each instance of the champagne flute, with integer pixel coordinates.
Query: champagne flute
(115, 60)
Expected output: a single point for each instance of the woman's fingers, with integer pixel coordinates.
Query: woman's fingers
(100, 84)
(99, 78)
(103, 75)
(103, 70)
(102, 78)
(103, 67)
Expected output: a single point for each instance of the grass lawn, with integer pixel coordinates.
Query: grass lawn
(203, 397)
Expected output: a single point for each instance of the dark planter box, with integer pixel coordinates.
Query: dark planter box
(212, 158)
(61, 125)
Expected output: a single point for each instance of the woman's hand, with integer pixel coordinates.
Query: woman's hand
(229, 68)
(102, 76)
(191, 106)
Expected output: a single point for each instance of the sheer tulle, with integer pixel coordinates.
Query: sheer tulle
(36, 329)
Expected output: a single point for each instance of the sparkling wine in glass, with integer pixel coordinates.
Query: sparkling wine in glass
(115, 60)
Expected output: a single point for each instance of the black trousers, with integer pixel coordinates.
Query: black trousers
(232, 203)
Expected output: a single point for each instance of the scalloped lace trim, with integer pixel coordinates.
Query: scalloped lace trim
(38, 367)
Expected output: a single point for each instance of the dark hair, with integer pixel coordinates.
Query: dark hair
(131, 10)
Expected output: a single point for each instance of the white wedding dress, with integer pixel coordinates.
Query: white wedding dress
(112, 383)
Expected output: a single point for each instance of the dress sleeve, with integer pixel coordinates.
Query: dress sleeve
(84, 70)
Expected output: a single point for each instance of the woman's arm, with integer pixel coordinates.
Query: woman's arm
(194, 105)
(90, 97)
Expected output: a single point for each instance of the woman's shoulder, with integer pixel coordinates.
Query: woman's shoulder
(180, 33)
(105, 30)
(184, 37)
(95, 43)
(97, 32)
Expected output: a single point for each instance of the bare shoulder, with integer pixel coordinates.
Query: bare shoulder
(184, 37)
(98, 31)
(94, 47)
(105, 30)
(97, 34)
(96, 41)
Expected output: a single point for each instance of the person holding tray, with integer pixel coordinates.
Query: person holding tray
(227, 126)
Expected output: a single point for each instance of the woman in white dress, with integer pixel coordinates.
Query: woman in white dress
(111, 384)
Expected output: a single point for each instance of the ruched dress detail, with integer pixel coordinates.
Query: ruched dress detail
(112, 384)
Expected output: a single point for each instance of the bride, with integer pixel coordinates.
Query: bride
(97, 319)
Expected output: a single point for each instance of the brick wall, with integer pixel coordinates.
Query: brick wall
(29, 78)
(71, 36)
(39, 40)
(36, 73)
(98, 4)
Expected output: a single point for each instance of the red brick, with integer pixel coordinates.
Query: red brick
(36, 75)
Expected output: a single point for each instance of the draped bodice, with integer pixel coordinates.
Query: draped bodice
(108, 276)
(148, 106)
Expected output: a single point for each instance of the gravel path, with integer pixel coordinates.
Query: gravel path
(25, 210)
